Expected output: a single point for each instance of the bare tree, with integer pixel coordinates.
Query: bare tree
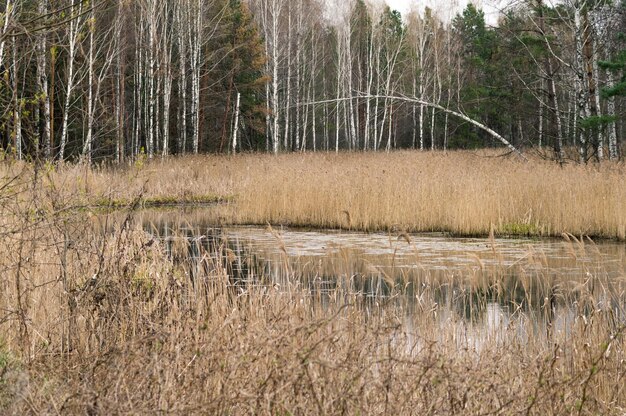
(17, 102)
(103, 49)
(76, 27)
(42, 82)
(9, 11)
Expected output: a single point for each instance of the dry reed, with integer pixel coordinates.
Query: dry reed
(100, 320)
(459, 192)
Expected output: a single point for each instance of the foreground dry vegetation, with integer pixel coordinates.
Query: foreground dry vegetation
(96, 318)
(463, 193)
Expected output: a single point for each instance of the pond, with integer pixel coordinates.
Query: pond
(484, 288)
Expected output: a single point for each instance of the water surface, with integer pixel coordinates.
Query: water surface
(483, 288)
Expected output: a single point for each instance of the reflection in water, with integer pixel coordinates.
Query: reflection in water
(487, 290)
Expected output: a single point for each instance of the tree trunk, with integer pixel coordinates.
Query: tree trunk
(119, 87)
(610, 112)
(581, 93)
(8, 12)
(168, 78)
(236, 126)
(73, 34)
(42, 78)
(182, 79)
(17, 106)
(87, 148)
(458, 114)
(286, 138)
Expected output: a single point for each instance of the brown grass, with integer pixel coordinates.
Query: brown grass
(463, 193)
(99, 320)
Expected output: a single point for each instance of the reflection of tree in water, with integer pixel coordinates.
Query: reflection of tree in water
(492, 296)
(203, 251)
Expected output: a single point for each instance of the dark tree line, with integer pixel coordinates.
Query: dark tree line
(112, 79)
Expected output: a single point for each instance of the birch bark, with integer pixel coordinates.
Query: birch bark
(42, 79)
(74, 30)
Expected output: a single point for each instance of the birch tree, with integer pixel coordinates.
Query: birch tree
(614, 65)
(181, 28)
(17, 102)
(392, 31)
(419, 35)
(75, 29)
(101, 52)
(5, 19)
(270, 14)
(42, 83)
(194, 17)
(166, 48)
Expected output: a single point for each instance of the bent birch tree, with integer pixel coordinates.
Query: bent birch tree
(439, 107)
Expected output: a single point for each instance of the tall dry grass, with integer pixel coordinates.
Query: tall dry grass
(95, 318)
(460, 192)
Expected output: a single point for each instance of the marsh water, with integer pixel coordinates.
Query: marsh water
(483, 283)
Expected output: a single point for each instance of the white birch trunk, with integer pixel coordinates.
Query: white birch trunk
(437, 89)
(42, 78)
(276, 8)
(559, 125)
(596, 79)
(194, 39)
(152, 50)
(458, 114)
(414, 112)
(421, 51)
(263, 13)
(119, 87)
(432, 130)
(391, 65)
(17, 106)
(96, 81)
(541, 105)
(300, 69)
(390, 132)
(312, 92)
(610, 112)
(8, 12)
(348, 75)
(286, 138)
(138, 92)
(325, 115)
(376, 100)
(182, 79)
(236, 126)
(370, 80)
(87, 148)
(168, 77)
(73, 34)
(338, 92)
(581, 91)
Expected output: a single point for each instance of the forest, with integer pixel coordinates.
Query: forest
(109, 80)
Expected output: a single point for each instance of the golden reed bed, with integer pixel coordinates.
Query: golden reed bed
(466, 193)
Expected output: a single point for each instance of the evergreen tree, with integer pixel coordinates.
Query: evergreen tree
(248, 61)
(480, 82)
(240, 60)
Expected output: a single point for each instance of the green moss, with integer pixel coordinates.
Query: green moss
(158, 201)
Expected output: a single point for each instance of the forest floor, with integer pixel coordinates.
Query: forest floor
(105, 320)
(463, 193)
